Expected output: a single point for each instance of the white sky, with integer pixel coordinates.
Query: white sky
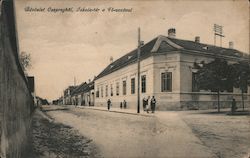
(80, 44)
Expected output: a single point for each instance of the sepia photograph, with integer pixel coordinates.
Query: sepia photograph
(124, 79)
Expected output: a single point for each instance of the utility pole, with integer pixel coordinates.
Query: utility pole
(138, 68)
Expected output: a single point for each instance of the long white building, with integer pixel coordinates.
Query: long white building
(167, 72)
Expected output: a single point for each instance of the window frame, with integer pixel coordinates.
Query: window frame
(102, 91)
(143, 83)
(132, 85)
(124, 87)
(166, 81)
(117, 88)
(106, 90)
(111, 90)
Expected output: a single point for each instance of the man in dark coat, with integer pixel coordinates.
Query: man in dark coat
(144, 103)
(153, 104)
(109, 104)
(124, 104)
(120, 105)
(234, 107)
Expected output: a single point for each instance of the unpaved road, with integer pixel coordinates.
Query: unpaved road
(228, 136)
(124, 135)
(51, 139)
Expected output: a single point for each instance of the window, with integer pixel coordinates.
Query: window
(102, 92)
(143, 84)
(106, 90)
(117, 88)
(132, 85)
(195, 87)
(166, 82)
(111, 90)
(124, 87)
(97, 93)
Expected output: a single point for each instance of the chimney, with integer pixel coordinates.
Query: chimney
(197, 39)
(111, 59)
(231, 45)
(171, 33)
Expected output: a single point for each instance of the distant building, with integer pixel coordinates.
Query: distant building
(67, 95)
(41, 101)
(83, 94)
(78, 94)
(90, 93)
(60, 101)
(55, 102)
(167, 72)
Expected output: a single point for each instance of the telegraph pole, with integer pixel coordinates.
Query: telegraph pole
(218, 31)
(138, 68)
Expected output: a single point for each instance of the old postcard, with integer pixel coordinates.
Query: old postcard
(127, 79)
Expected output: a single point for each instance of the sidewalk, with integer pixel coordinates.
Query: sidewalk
(118, 110)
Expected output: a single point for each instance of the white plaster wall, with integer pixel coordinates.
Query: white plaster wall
(186, 64)
(168, 62)
(125, 73)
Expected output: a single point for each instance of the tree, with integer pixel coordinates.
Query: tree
(215, 76)
(241, 76)
(25, 60)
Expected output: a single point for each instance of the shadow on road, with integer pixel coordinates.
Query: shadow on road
(53, 139)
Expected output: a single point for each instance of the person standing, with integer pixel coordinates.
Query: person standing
(109, 104)
(234, 107)
(153, 104)
(124, 104)
(144, 103)
(147, 104)
(120, 105)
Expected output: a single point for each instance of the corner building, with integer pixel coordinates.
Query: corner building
(168, 73)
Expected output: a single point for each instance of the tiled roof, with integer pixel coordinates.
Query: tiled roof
(128, 59)
(167, 45)
(89, 87)
(191, 45)
(84, 87)
(79, 88)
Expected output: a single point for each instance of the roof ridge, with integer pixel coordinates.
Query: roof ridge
(162, 38)
(210, 45)
(133, 52)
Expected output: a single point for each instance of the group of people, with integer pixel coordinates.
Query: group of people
(146, 106)
(122, 104)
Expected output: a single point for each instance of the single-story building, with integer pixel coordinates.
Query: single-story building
(83, 94)
(166, 72)
(67, 95)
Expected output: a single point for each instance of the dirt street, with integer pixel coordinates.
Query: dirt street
(125, 135)
(226, 135)
(189, 134)
(51, 139)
